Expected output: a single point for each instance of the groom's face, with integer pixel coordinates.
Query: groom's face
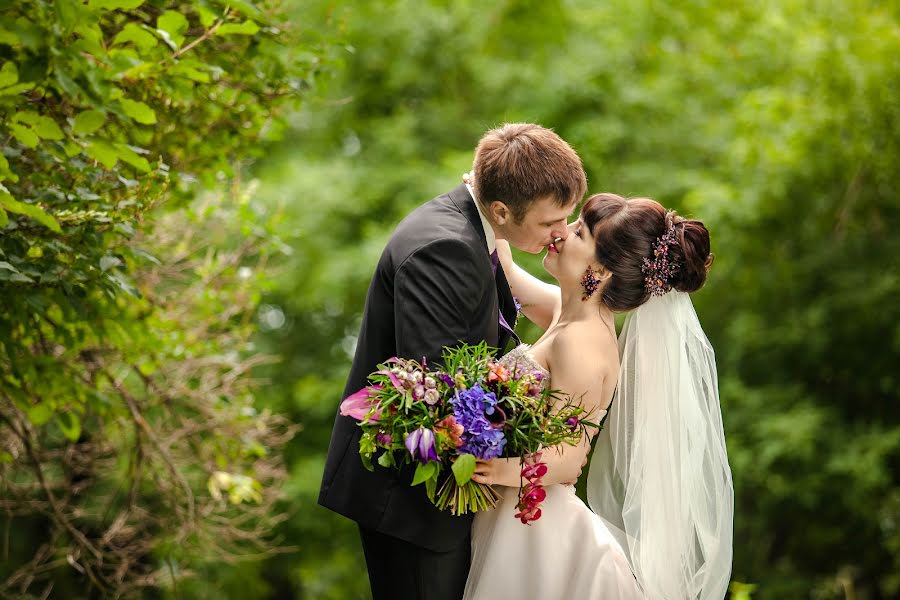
(544, 221)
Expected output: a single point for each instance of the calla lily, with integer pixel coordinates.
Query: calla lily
(359, 404)
(420, 444)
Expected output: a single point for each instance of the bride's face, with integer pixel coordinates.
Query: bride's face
(570, 258)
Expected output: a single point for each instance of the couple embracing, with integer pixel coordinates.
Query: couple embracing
(659, 524)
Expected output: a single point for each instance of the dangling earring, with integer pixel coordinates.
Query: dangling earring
(590, 282)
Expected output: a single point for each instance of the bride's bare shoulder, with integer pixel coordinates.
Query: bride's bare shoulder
(587, 345)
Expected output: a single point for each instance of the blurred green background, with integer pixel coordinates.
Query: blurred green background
(777, 123)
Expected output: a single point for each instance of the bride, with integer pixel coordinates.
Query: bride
(659, 482)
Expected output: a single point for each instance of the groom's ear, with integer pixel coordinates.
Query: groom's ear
(499, 212)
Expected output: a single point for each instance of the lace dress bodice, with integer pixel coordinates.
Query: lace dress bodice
(520, 358)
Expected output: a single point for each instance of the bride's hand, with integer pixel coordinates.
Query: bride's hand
(498, 471)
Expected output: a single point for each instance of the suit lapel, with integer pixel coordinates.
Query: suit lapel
(463, 200)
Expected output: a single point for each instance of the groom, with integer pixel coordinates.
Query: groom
(438, 283)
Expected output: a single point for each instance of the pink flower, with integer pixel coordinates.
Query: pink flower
(532, 494)
(394, 379)
(534, 471)
(572, 422)
(452, 431)
(498, 373)
(358, 405)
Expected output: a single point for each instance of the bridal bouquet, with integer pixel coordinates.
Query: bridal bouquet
(471, 408)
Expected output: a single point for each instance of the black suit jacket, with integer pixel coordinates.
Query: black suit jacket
(433, 287)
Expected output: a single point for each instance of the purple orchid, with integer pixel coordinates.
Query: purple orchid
(420, 444)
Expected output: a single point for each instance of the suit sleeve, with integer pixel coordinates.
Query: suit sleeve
(438, 293)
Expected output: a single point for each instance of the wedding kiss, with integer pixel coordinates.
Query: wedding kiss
(659, 485)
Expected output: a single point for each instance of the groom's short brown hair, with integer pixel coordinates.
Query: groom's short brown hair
(519, 163)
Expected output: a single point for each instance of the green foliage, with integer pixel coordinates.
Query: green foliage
(774, 123)
(131, 453)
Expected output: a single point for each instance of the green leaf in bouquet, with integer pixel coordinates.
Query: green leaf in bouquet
(366, 461)
(431, 488)
(386, 459)
(463, 468)
(367, 449)
(425, 472)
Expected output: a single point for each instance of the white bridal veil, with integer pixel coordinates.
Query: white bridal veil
(659, 477)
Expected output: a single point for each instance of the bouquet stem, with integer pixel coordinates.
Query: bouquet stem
(471, 497)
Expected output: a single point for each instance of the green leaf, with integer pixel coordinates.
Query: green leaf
(386, 459)
(7, 266)
(245, 28)
(16, 89)
(88, 121)
(9, 74)
(425, 472)
(132, 158)
(173, 23)
(8, 37)
(431, 487)
(137, 35)
(29, 210)
(103, 152)
(138, 111)
(247, 8)
(4, 219)
(108, 262)
(463, 469)
(115, 4)
(5, 172)
(192, 69)
(367, 461)
(72, 429)
(47, 129)
(24, 134)
(39, 413)
(207, 17)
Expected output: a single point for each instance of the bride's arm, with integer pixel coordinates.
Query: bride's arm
(540, 300)
(573, 377)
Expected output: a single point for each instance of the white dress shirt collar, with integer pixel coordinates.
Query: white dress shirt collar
(489, 234)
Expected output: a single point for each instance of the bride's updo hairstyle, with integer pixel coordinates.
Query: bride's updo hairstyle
(626, 230)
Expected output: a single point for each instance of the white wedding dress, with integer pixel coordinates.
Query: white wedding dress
(567, 554)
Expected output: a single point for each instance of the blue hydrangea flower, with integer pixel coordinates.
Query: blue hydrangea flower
(480, 438)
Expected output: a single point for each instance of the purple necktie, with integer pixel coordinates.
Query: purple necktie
(494, 261)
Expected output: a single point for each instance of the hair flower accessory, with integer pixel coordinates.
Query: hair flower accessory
(659, 271)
